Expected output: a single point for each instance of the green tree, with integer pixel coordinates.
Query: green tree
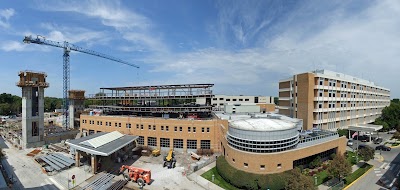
(367, 153)
(297, 181)
(276, 100)
(339, 167)
(316, 162)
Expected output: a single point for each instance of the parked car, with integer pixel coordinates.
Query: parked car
(364, 138)
(383, 147)
(361, 146)
(378, 140)
(350, 142)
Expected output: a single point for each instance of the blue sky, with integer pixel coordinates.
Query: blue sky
(243, 47)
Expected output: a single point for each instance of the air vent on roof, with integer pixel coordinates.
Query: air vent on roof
(274, 117)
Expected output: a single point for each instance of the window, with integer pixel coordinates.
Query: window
(194, 129)
(246, 99)
(279, 165)
(208, 129)
(228, 100)
(178, 143)
(233, 160)
(233, 99)
(180, 129)
(189, 129)
(262, 167)
(154, 127)
(119, 124)
(116, 124)
(98, 122)
(246, 165)
(35, 129)
(321, 82)
(175, 128)
(221, 104)
(162, 128)
(202, 129)
(164, 142)
(214, 98)
(141, 127)
(137, 126)
(240, 99)
(319, 105)
(205, 144)
(166, 128)
(128, 125)
(221, 98)
(191, 144)
(152, 141)
(140, 140)
(149, 127)
(101, 123)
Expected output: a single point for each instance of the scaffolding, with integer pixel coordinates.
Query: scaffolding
(147, 100)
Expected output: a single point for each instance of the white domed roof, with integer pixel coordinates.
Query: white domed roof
(262, 124)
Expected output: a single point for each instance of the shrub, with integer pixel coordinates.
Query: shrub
(245, 180)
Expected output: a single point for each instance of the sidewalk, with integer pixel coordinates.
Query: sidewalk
(196, 177)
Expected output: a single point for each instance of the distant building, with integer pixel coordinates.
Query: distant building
(329, 100)
(218, 101)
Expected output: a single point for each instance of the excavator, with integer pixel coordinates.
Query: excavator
(138, 175)
(169, 160)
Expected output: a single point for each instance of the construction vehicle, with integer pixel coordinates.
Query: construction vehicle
(138, 175)
(155, 152)
(169, 160)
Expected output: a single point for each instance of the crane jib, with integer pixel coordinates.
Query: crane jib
(41, 40)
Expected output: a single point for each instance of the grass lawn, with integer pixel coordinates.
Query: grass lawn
(351, 157)
(322, 177)
(218, 180)
(356, 174)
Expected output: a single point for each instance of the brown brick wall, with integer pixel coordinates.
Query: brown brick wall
(284, 84)
(267, 107)
(213, 124)
(305, 99)
(271, 160)
(284, 94)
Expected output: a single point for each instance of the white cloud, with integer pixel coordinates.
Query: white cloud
(12, 46)
(362, 43)
(134, 27)
(5, 15)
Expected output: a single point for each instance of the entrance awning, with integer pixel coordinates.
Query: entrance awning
(365, 127)
(103, 149)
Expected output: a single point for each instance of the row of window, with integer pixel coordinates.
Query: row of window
(151, 127)
(177, 143)
(262, 167)
(332, 94)
(252, 147)
(332, 82)
(233, 99)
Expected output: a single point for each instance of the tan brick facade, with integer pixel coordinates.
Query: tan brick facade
(275, 162)
(145, 127)
(330, 100)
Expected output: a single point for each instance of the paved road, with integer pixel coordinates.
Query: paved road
(385, 173)
(24, 170)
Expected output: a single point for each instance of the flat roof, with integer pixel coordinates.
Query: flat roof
(262, 124)
(105, 149)
(365, 127)
(154, 87)
(259, 121)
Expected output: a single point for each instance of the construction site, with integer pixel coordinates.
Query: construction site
(149, 137)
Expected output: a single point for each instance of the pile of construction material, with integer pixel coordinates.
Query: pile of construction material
(52, 163)
(102, 181)
(200, 164)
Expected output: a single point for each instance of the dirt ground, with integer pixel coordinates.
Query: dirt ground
(164, 178)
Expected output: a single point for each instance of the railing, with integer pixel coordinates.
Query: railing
(154, 109)
(317, 139)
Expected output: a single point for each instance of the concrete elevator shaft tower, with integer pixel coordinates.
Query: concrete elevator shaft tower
(33, 85)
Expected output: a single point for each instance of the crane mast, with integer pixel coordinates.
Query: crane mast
(68, 47)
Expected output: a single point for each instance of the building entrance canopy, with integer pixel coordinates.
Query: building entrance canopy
(101, 143)
(365, 127)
